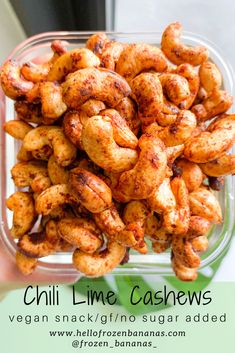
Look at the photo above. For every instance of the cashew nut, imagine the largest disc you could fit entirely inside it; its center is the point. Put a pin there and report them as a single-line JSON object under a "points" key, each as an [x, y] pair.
{"points": [[96, 43], [99, 263], [80, 232], [187, 71], [184, 273], [57, 174], [178, 132], [210, 145], [109, 221], [162, 199], [110, 54], [39, 72], [52, 104], [175, 87], [210, 77], [92, 107], [51, 136], [149, 171], [24, 216], [176, 220], [25, 264], [71, 61], [223, 165], [44, 243], [54, 197], [191, 173], [29, 112], [147, 92], [13, 85], [136, 58], [90, 190], [33, 174], [203, 203], [99, 143], [100, 84], [121, 132], [127, 109], [179, 53], [217, 103]]}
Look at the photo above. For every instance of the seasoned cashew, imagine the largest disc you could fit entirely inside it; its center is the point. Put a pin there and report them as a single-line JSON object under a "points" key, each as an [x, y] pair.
{"points": [[187, 71], [203, 203], [39, 72], [176, 220], [175, 87], [52, 104], [152, 225], [54, 137], [99, 263], [136, 58], [179, 53], [127, 109], [200, 244], [210, 145], [80, 232], [100, 84], [160, 238], [217, 103], [13, 85], [198, 226], [168, 114], [135, 212], [132, 236], [90, 190], [182, 272], [57, 174], [191, 173], [24, 216], [71, 61], [174, 152], [92, 107], [162, 199], [29, 112], [18, 129], [149, 171], [121, 132], [110, 54], [54, 197], [183, 250], [210, 77], [33, 174], [99, 143], [147, 92], [176, 133], [25, 264], [223, 165], [43, 243], [134, 216], [96, 43], [72, 127], [109, 221]]}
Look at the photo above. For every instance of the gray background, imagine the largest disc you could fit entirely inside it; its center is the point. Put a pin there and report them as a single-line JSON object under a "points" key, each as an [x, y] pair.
{"points": [[213, 19]]}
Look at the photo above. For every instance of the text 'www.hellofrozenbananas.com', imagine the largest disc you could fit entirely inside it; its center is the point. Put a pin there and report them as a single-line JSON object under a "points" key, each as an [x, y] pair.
{"points": [[91, 338]]}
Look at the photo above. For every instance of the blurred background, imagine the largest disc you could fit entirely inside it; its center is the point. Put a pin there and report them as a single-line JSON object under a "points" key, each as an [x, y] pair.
{"points": [[21, 18], [214, 20]]}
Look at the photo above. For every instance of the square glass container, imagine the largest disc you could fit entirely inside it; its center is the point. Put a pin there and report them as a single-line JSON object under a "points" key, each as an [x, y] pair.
{"points": [[60, 264]]}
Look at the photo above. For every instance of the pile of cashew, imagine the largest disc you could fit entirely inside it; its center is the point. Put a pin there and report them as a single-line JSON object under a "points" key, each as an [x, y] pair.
{"points": [[118, 151]]}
